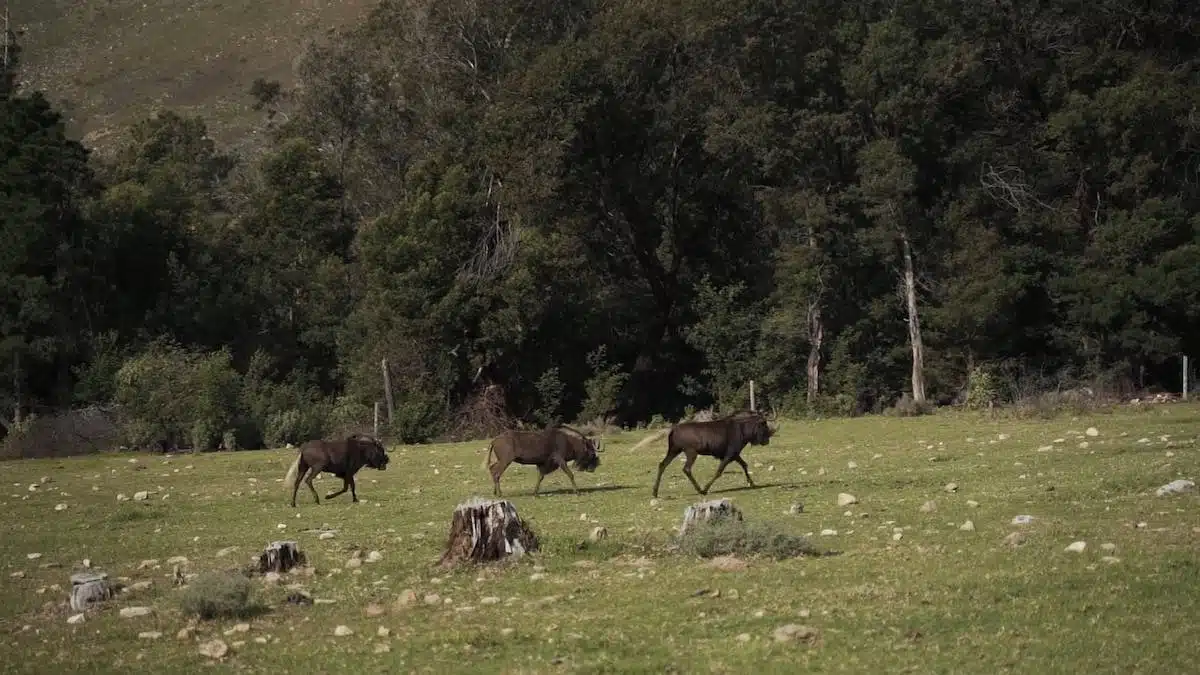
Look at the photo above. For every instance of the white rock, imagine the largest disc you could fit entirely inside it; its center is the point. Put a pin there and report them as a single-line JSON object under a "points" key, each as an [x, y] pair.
{"points": [[1092, 431], [383, 631], [76, 618], [1110, 559], [343, 631], [1076, 547], [60, 507], [134, 612], [951, 487], [226, 551], [214, 649], [846, 499], [972, 503], [33, 556], [141, 496], [598, 534], [326, 535], [1022, 520], [1175, 487], [928, 507], [851, 465], [897, 536], [828, 532], [1108, 546], [967, 526], [121, 497], [353, 563], [490, 600], [374, 557], [149, 635], [177, 560]]}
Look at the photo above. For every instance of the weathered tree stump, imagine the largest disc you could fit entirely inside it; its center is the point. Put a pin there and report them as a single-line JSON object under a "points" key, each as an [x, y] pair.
{"points": [[280, 557], [89, 588], [486, 530], [716, 509]]}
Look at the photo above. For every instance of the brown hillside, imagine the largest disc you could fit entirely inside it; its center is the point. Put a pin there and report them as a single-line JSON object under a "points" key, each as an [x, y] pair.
{"points": [[110, 62]]}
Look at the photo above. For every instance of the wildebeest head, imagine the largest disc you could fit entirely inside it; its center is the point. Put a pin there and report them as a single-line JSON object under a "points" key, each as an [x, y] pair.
{"points": [[374, 454], [588, 458], [754, 428]]}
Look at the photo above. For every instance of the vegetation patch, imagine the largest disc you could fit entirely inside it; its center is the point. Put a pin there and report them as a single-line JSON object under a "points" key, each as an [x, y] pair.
{"points": [[218, 595], [725, 536]]}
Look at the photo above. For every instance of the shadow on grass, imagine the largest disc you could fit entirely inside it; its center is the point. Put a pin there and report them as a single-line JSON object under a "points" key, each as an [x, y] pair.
{"points": [[568, 491], [758, 486]]}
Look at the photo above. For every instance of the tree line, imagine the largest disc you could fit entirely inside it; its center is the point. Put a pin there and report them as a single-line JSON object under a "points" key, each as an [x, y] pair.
{"points": [[619, 209]]}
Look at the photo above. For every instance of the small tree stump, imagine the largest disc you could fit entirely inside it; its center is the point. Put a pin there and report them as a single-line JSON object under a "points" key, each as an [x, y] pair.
{"points": [[716, 509], [280, 557], [89, 588], [485, 530]]}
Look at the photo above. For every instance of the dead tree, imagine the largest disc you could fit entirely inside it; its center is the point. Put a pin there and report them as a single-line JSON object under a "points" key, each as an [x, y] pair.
{"points": [[710, 511], [487, 530], [280, 556]]}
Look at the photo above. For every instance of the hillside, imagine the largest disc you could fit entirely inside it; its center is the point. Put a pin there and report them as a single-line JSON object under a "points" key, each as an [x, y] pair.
{"points": [[113, 61]]}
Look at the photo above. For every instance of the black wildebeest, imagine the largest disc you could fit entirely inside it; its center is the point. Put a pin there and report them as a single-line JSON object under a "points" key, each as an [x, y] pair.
{"points": [[721, 438], [548, 449], [342, 458]]}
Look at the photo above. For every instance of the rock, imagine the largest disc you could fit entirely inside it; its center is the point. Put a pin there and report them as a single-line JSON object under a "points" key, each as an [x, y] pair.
{"points": [[185, 633], [598, 534], [432, 599], [177, 560], [967, 526], [86, 563], [972, 503], [490, 600], [343, 631], [1175, 487], [1022, 520], [151, 562], [141, 496], [214, 649], [382, 648], [951, 487], [795, 633], [743, 637], [846, 499], [121, 497], [851, 465], [796, 509], [326, 535], [19, 574], [33, 556], [1014, 539], [1092, 431], [928, 507], [374, 610], [1076, 547], [353, 563], [60, 507], [654, 502], [240, 628], [134, 612], [139, 586], [828, 532], [897, 536], [727, 563], [76, 618], [407, 598], [1110, 559], [1108, 546], [383, 631], [374, 557], [149, 635]]}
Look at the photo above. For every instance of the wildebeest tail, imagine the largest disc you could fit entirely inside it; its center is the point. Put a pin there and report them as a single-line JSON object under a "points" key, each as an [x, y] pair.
{"points": [[651, 438], [290, 478], [487, 458]]}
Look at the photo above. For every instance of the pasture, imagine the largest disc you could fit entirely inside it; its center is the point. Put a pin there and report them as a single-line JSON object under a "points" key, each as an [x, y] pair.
{"points": [[912, 591]]}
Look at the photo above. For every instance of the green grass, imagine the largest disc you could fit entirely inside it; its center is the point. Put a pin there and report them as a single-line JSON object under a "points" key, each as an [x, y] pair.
{"points": [[112, 62], [938, 600]]}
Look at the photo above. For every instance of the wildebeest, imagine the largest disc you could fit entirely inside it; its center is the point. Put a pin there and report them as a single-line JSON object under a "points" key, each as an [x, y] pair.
{"points": [[548, 449], [721, 438], [342, 458]]}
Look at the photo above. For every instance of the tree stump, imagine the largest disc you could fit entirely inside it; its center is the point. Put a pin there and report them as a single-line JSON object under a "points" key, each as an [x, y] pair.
{"points": [[89, 588], [486, 530], [716, 509], [280, 557]]}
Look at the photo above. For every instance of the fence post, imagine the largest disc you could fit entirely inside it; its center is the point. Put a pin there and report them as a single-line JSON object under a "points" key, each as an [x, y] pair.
{"points": [[752, 408], [387, 390]]}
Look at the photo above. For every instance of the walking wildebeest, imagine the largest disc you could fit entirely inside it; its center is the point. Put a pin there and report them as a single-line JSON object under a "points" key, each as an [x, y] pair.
{"points": [[548, 449], [722, 438], [342, 458]]}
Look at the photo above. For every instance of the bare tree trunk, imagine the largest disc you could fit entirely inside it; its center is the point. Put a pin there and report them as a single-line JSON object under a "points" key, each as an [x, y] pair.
{"points": [[914, 322], [816, 335], [16, 389]]}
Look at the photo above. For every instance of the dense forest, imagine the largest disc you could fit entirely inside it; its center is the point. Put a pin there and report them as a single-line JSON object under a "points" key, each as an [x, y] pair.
{"points": [[620, 209]]}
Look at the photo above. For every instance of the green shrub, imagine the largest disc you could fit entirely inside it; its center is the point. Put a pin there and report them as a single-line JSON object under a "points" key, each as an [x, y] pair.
{"points": [[217, 595], [983, 389], [603, 387], [726, 536]]}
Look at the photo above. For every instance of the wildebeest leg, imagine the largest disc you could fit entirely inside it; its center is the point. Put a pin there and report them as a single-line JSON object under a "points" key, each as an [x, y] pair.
{"points": [[345, 486], [745, 469], [301, 470], [662, 466], [497, 471], [538, 485], [687, 470], [312, 473], [720, 470], [562, 464], [353, 492]]}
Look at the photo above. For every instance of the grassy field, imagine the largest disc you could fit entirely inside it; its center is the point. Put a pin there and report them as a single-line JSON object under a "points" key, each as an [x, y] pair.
{"points": [[937, 598], [114, 61]]}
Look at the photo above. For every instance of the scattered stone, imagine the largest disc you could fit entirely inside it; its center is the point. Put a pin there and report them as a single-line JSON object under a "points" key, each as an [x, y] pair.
{"points": [[374, 610], [1108, 546], [33, 556], [951, 487], [134, 612], [654, 502], [374, 557], [432, 599], [490, 600], [851, 465], [326, 535], [185, 633], [141, 496], [743, 637], [796, 509], [343, 631], [1022, 520], [382, 648], [151, 562], [19, 574], [149, 635], [76, 618], [1175, 487], [121, 497], [727, 563], [214, 649], [1110, 559], [177, 560], [929, 507], [60, 507], [598, 534], [972, 503], [1076, 547], [1014, 539], [407, 598], [383, 631], [795, 633], [967, 526], [846, 499], [828, 532], [1092, 431], [139, 586]]}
